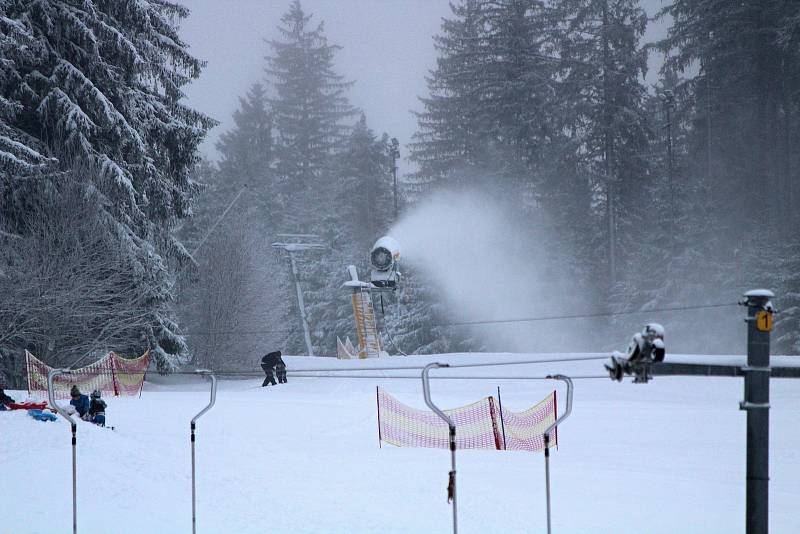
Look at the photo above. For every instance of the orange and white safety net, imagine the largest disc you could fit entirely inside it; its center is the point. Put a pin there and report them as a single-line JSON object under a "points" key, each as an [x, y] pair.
{"points": [[478, 426], [111, 374], [524, 431], [405, 426]]}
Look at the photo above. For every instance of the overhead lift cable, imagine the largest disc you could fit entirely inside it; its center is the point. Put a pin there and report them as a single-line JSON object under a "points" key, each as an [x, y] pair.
{"points": [[499, 321], [403, 367]]}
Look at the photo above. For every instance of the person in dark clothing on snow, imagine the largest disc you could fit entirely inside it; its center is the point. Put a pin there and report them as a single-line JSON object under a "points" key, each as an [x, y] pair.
{"points": [[280, 370], [268, 363], [4, 399], [97, 409]]}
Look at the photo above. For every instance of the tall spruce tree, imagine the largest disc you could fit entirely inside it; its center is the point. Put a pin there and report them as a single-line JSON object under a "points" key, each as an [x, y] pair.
{"points": [[247, 150], [309, 106], [247, 157], [742, 173], [745, 95], [98, 86], [364, 190], [452, 127], [603, 69]]}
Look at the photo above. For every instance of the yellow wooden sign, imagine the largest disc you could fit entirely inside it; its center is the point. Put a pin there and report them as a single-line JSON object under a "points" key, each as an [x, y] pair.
{"points": [[764, 321]]}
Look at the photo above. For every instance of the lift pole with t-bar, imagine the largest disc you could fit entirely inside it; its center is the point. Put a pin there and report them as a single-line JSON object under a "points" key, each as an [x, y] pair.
{"points": [[547, 433], [451, 484], [757, 373]]}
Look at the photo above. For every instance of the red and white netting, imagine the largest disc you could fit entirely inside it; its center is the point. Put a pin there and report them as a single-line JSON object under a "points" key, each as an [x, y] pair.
{"points": [[478, 426], [404, 426], [111, 374], [524, 431]]}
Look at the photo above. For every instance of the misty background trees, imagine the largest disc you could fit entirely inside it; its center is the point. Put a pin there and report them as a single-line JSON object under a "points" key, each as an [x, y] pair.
{"points": [[645, 197]]}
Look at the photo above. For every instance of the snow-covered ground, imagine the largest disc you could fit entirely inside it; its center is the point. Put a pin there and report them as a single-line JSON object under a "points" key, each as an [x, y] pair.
{"points": [[664, 457]]}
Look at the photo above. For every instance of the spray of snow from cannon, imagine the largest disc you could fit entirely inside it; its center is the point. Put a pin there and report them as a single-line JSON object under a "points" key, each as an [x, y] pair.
{"points": [[488, 262]]}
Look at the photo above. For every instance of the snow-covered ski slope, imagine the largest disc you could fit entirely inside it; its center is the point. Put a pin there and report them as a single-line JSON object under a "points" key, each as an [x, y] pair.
{"points": [[664, 457]]}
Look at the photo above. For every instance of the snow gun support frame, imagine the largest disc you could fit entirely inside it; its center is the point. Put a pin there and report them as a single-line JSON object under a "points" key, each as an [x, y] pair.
{"points": [[451, 485], [210, 404], [51, 396], [547, 433]]}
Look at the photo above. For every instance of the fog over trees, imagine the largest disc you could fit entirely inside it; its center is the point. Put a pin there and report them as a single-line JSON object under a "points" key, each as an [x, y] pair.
{"points": [[117, 236]]}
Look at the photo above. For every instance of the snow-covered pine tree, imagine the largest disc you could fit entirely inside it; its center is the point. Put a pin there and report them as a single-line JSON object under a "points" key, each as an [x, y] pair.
{"points": [[517, 87], [743, 110], [746, 99], [364, 188], [310, 107], [416, 318], [603, 62], [310, 113], [98, 85], [452, 128], [246, 156]]}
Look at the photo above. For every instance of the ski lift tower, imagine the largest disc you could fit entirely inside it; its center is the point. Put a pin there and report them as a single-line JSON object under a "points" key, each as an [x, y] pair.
{"points": [[293, 244]]}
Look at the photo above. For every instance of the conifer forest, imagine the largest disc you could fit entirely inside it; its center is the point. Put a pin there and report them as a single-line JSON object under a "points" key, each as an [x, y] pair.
{"points": [[626, 188]]}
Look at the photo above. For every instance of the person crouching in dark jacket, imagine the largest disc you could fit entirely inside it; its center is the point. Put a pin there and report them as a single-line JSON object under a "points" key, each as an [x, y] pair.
{"points": [[280, 369], [97, 409], [268, 365]]}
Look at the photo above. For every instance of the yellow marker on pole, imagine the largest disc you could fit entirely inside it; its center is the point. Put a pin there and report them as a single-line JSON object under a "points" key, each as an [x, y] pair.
{"points": [[764, 321]]}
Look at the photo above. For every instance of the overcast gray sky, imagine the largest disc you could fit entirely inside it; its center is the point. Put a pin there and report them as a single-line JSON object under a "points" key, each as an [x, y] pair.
{"points": [[387, 49]]}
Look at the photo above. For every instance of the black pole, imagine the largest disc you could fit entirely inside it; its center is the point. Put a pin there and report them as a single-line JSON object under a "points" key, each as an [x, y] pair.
{"points": [[547, 478], [395, 153], [668, 104], [756, 403], [51, 397], [194, 505], [74, 480], [378, 402], [502, 422]]}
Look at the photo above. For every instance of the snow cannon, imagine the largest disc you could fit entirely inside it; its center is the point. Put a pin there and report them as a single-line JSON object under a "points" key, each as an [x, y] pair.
{"points": [[384, 258]]}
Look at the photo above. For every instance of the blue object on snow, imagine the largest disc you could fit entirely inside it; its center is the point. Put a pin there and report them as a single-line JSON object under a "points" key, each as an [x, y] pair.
{"points": [[81, 404], [40, 415]]}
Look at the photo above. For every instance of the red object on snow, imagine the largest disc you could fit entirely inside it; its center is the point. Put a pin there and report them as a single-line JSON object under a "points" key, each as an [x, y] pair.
{"points": [[27, 405]]}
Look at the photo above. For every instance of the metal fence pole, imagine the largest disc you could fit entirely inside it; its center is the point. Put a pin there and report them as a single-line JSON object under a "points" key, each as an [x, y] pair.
{"points": [[547, 433], [51, 396], [451, 486], [756, 404], [193, 425]]}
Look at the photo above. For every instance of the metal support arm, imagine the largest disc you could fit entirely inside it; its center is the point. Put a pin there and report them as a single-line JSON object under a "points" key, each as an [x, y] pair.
{"points": [[210, 404], [451, 486], [547, 433], [51, 396]]}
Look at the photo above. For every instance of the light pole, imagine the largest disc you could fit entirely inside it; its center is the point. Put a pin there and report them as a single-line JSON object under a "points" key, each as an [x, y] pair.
{"points": [[669, 105], [394, 153], [292, 244]]}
